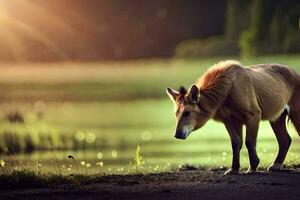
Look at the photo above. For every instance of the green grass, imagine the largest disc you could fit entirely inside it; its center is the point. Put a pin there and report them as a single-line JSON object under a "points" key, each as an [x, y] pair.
{"points": [[28, 178], [111, 81], [84, 109]]}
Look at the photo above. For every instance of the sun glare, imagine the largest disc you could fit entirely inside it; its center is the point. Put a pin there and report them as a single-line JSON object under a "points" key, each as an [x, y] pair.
{"points": [[22, 21]]}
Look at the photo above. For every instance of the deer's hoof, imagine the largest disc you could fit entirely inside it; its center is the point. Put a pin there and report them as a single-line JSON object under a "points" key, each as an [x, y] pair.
{"points": [[275, 167], [251, 171], [232, 172]]}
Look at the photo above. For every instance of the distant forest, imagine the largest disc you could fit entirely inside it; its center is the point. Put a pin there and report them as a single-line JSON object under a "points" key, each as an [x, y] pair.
{"points": [[78, 30]]}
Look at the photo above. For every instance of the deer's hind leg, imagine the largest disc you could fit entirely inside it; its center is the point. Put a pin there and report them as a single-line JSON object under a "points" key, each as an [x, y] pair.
{"points": [[283, 139], [295, 110]]}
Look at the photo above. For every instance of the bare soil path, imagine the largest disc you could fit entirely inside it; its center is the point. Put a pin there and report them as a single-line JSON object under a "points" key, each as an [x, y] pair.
{"points": [[193, 184]]}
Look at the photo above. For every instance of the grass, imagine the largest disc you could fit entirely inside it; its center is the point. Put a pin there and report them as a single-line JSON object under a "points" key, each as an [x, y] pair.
{"points": [[111, 108], [111, 81], [27, 178], [122, 134], [138, 160]]}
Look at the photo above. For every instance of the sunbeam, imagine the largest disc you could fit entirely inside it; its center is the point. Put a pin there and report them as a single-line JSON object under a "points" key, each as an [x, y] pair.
{"points": [[22, 21]]}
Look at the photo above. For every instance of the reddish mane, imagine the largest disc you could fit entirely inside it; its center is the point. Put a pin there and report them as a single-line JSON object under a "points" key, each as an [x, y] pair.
{"points": [[210, 78], [212, 75]]}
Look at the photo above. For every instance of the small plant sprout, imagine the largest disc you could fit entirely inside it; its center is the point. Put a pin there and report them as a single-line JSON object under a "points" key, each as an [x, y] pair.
{"points": [[138, 159], [56, 162], [75, 163]]}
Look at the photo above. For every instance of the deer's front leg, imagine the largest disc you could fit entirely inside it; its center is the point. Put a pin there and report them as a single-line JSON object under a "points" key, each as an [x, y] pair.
{"points": [[234, 129]]}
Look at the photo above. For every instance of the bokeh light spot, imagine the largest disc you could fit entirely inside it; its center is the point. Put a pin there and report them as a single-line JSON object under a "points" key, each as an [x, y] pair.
{"points": [[114, 154], [99, 155], [79, 136], [90, 137], [146, 136]]}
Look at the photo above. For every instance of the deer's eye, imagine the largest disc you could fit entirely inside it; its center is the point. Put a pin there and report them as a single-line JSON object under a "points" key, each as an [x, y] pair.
{"points": [[186, 113]]}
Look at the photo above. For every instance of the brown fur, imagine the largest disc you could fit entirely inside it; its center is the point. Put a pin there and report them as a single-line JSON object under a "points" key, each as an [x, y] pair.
{"points": [[212, 75], [265, 89], [236, 96]]}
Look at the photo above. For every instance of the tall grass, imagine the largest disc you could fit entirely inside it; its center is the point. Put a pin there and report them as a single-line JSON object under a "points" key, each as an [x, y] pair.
{"points": [[32, 135]]}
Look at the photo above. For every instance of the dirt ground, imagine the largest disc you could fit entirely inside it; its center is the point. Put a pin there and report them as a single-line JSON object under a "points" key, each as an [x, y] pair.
{"points": [[191, 184]]}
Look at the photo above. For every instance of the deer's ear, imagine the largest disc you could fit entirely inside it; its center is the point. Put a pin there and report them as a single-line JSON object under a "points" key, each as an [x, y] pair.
{"points": [[173, 94], [194, 94]]}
